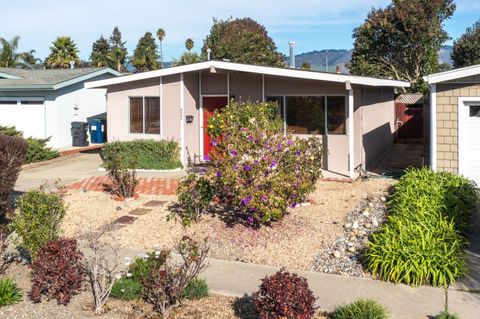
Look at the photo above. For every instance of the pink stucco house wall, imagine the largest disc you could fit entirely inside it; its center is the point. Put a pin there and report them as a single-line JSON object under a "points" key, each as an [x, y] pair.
{"points": [[354, 116]]}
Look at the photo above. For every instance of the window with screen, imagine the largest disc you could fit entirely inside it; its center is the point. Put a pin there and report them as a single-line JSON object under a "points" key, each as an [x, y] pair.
{"points": [[136, 115]]}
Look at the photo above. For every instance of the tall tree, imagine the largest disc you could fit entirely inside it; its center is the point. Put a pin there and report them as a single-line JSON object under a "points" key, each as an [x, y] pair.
{"points": [[466, 49], [161, 35], [9, 57], [118, 53], [145, 56], [243, 41], [189, 44], [187, 58], [402, 40], [100, 53], [62, 52]]}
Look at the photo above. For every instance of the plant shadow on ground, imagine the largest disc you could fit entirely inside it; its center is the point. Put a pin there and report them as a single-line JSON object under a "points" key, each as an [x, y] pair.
{"points": [[245, 308]]}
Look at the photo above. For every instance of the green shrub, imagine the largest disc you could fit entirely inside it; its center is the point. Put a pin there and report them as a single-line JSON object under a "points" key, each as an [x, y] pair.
{"points": [[37, 220], [446, 315], [9, 292], [196, 289], [37, 149], [144, 154], [126, 289], [423, 241], [361, 309]]}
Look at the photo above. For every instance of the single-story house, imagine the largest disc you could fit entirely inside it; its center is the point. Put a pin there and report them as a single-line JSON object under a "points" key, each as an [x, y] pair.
{"points": [[43, 103], [455, 121], [353, 115]]}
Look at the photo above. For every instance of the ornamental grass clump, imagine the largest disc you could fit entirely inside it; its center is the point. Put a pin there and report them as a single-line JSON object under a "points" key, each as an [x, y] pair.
{"points": [[256, 169], [9, 292], [423, 241], [284, 295], [361, 309]]}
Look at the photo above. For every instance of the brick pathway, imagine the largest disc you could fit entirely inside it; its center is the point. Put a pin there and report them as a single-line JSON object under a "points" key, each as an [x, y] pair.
{"points": [[146, 185]]}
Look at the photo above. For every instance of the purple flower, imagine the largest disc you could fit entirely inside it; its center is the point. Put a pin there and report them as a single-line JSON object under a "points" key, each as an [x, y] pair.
{"points": [[267, 145], [233, 153], [293, 205], [207, 157], [279, 147], [250, 138], [246, 201], [297, 153], [219, 173], [250, 220], [235, 167], [273, 164], [264, 198], [289, 142], [243, 129], [214, 143], [247, 167]]}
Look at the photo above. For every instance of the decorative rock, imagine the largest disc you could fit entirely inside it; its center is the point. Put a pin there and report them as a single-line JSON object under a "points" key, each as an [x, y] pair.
{"points": [[375, 222], [353, 238], [347, 225], [336, 254], [371, 204], [352, 249], [366, 212], [119, 208], [368, 225], [383, 198], [355, 225]]}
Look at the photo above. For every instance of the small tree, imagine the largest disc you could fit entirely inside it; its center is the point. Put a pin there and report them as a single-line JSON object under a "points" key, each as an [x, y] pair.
{"points": [[166, 281], [145, 56], [121, 172], [12, 155], [118, 53], [62, 52], [466, 49], [101, 267]]}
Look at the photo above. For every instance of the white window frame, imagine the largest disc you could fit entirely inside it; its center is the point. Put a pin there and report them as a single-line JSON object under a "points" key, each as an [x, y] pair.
{"points": [[143, 114], [463, 108], [18, 99]]}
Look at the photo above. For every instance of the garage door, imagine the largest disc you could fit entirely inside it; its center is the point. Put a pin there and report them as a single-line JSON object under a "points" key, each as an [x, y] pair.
{"points": [[469, 139]]}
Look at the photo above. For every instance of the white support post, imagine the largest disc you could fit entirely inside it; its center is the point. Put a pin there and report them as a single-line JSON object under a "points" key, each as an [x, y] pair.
{"points": [[351, 155], [433, 127], [200, 116], [182, 117], [263, 88], [161, 107], [228, 88]]}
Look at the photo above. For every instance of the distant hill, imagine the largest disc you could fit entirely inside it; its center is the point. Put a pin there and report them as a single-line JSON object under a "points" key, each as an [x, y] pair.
{"points": [[342, 57]]}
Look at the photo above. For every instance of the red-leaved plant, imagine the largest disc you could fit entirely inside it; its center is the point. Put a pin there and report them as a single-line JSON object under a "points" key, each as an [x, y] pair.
{"points": [[57, 271], [284, 295]]}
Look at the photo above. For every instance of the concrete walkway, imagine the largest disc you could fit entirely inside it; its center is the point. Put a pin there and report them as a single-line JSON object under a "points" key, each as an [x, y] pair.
{"points": [[403, 302]]}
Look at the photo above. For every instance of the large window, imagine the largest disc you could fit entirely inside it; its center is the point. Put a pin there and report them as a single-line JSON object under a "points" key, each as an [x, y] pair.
{"points": [[145, 115], [313, 114]]}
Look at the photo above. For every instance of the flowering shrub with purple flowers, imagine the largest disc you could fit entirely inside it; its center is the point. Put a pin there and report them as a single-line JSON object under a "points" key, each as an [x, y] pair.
{"points": [[256, 169]]}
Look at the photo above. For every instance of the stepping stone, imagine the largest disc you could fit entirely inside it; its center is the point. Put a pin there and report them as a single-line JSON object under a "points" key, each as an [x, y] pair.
{"points": [[126, 220], [155, 203], [139, 211]]}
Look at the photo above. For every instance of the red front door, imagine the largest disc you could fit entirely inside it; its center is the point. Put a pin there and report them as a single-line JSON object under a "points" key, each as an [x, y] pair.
{"points": [[210, 104]]}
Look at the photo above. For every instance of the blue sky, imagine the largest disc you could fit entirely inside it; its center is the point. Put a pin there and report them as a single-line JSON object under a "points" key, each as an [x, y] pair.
{"points": [[313, 24]]}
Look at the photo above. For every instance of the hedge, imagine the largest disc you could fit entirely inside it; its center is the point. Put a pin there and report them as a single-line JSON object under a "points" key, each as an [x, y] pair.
{"points": [[144, 154], [424, 239]]}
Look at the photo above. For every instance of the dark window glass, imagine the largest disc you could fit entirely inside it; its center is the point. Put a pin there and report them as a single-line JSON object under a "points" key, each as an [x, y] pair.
{"points": [[306, 114], [279, 101], [32, 102], [136, 115], [336, 114], [8, 102], [152, 115], [475, 111]]}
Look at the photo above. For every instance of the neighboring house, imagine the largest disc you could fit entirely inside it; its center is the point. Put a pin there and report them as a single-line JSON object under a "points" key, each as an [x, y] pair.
{"points": [[455, 121], [43, 103], [174, 103]]}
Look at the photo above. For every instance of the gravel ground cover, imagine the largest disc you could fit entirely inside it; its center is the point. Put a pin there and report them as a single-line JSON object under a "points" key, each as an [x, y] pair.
{"points": [[294, 242]]}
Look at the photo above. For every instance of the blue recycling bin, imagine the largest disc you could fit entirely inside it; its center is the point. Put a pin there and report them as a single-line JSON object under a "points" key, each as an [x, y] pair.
{"points": [[97, 130]]}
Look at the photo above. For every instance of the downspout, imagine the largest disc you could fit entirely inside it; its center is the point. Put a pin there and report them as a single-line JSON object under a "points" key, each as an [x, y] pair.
{"points": [[351, 170], [200, 116], [182, 126], [433, 127], [161, 107]]}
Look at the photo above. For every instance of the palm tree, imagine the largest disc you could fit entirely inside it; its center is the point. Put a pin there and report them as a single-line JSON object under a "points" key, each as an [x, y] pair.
{"points": [[9, 58], [161, 36], [189, 44], [62, 52], [29, 60]]}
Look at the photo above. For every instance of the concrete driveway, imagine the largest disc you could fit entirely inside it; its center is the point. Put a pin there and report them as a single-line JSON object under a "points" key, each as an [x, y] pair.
{"points": [[64, 170]]}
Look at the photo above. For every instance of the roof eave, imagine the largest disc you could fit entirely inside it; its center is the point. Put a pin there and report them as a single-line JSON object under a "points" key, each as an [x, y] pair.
{"points": [[452, 74], [85, 77]]}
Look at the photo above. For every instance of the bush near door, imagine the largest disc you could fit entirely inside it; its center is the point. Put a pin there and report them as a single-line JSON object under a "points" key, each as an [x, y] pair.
{"points": [[424, 239], [144, 154]]}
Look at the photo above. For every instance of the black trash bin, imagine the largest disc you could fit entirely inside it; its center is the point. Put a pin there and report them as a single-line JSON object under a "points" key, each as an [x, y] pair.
{"points": [[79, 134]]}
